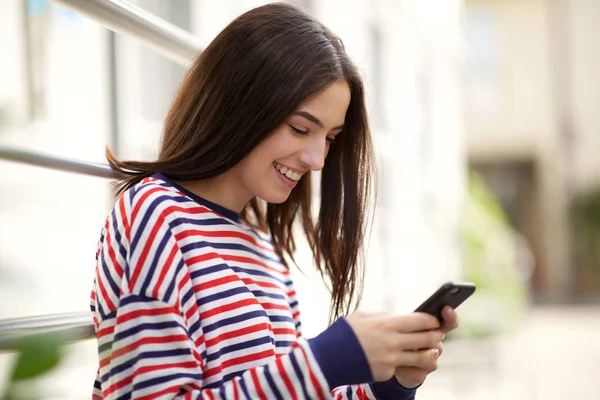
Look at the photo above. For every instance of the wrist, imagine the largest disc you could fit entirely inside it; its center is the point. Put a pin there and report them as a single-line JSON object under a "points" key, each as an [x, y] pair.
{"points": [[340, 355], [392, 389]]}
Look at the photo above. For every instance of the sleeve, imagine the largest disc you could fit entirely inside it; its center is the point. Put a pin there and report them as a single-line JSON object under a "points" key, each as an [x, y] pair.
{"points": [[347, 349], [150, 355], [151, 344]]}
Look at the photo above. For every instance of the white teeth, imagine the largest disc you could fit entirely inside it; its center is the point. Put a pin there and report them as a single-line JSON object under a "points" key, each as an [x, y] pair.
{"points": [[287, 172]]}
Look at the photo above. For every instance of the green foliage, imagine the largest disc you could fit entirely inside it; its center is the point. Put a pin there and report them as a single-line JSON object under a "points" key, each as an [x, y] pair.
{"points": [[585, 213], [490, 250], [36, 356]]}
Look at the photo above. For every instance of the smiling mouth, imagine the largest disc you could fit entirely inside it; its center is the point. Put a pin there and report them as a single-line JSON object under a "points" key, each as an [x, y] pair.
{"points": [[288, 173]]}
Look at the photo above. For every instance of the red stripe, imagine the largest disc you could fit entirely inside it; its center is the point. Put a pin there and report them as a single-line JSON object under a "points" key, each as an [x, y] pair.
{"points": [[259, 391], [216, 282], [148, 244], [286, 378], [284, 331], [165, 269], [124, 218], [236, 391], [142, 370], [311, 374], [223, 234], [228, 257], [111, 252], [105, 331], [105, 295], [144, 341], [228, 307], [239, 360], [146, 313], [174, 389], [213, 284], [273, 306], [236, 334]]}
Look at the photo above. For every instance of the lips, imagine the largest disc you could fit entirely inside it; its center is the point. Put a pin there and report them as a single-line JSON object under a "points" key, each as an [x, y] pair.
{"points": [[288, 173]]}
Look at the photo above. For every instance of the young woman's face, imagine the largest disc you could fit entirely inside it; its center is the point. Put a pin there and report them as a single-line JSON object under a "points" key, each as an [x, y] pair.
{"points": [[300, 145]]}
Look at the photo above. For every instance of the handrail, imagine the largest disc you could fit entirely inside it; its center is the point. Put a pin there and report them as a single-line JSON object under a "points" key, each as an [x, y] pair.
{"points": [[53, 162], [75, 326], [169, 40], [123, 17]]}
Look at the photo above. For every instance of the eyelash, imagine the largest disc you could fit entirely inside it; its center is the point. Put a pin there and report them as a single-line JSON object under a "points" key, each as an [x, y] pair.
{"points": [[305, 133]]}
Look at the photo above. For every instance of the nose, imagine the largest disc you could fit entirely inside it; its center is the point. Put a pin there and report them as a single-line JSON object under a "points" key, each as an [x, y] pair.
{"points": [[314, 153]]}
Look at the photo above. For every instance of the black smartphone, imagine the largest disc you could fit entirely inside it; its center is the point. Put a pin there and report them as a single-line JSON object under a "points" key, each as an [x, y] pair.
{"points": [[450, 294]]}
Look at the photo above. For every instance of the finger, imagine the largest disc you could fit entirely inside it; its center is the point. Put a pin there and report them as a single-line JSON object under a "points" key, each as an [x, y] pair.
{"points": [[450, 319], [410, 376], [423, 359], [420, 340], [415, 322]]}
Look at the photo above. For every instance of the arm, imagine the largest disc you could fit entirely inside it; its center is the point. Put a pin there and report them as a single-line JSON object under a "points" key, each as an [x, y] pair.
{"points": [[353, 358], [147, 353], [151, 342]]}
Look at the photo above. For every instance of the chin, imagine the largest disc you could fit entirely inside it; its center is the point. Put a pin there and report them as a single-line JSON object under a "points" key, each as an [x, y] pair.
{"points": [[275, 198]]}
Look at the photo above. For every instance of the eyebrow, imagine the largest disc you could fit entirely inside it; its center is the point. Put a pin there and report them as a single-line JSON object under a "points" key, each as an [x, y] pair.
{"points": [[315, 120]]}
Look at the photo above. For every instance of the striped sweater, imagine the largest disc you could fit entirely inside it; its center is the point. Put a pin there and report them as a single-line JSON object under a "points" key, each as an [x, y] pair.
{"points": [[191, 303]]}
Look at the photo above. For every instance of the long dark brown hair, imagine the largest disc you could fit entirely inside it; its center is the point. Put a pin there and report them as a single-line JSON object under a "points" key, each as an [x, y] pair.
{"points": [[252, 76]]}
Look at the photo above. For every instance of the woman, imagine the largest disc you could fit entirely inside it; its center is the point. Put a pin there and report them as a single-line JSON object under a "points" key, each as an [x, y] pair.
{"points": [[193, 296]]}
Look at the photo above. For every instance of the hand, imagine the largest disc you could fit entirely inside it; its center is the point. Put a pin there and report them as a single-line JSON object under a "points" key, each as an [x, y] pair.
{"points": [[413, 376], [390, 341]]}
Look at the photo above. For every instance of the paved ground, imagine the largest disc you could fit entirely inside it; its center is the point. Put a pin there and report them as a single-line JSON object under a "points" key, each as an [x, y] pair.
{"points": [[555, 356]]}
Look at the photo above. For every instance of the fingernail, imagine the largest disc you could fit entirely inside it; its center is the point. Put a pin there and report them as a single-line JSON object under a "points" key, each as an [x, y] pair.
{"points": [[443, 336], [435, 353]]}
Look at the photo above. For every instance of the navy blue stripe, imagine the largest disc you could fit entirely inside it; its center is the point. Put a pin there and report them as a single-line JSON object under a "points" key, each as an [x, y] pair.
{"points": [[200, 272], [172, 283], [227, 246], [108, 279], [246, 317], [142, 356], [163, 379], [283, 343], [208, 270], [245, 389], [272, 384], [204, 300], [238, 346], [149, 214], [134, 298], [349, 391], [280, 318], [136, 330], [299, 374], [126, 396], [202, 222], [118, 239], [150, 273]]}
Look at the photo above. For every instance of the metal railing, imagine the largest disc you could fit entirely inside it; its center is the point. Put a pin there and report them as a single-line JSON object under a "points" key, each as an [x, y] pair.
{"points": [[169, 40]]}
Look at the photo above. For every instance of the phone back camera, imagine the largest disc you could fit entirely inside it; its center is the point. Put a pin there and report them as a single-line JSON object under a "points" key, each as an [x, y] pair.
{"points": [[454, 290]]}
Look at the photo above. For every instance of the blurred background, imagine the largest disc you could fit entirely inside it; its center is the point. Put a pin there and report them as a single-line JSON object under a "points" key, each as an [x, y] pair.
{"points": [[485, 116]]}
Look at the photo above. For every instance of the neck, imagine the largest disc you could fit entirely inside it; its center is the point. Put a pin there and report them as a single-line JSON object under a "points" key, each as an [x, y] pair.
{"points": [[223, 190]]}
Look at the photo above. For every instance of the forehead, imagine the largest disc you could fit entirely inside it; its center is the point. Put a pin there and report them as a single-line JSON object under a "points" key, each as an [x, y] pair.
{"points": [[330, 105]]}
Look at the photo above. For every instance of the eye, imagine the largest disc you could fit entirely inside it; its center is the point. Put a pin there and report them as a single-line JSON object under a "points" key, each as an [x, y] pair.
{"points": [[331, 140], [298, 131]]}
